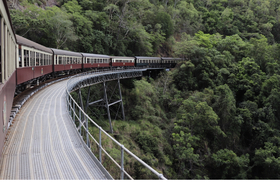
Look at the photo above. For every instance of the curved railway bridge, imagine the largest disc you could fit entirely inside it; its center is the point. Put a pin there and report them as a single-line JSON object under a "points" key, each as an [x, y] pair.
{"points": [[45, 143]]}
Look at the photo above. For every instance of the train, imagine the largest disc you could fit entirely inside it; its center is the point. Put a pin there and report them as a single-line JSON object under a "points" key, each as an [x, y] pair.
{"points": [[24, 63]]}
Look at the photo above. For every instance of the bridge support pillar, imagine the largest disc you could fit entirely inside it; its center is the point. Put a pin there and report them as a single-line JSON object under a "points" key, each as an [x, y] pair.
{"points": [[108, 94], [107, 106], [83, 119], [120, 92], [87, 103]]}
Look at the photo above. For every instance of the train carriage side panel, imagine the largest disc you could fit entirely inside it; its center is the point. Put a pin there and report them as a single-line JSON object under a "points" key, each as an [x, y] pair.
{"points": [[42, 70], [121, 61], [95, 60], [24, 74], [66, 60], [34, 60], [59, 68], [8, 57], [7, 91]]}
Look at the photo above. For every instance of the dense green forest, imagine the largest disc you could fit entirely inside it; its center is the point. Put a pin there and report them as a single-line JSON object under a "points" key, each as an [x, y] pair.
{"points": [[216, 115]]}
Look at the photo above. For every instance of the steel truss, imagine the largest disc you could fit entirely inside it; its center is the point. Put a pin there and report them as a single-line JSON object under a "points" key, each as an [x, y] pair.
{"points": [[78, 113], [90, 80]]}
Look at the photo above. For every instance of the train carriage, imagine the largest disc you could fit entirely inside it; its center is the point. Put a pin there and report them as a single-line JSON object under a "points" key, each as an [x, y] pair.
{"points": [[120, 61], [34, 61], [168, 62], [147, 61], [66, 61], [95, 61], [8, 57]]}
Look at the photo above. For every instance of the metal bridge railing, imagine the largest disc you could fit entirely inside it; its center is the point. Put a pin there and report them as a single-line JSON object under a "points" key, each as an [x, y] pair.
{"points": [[76, 112]]}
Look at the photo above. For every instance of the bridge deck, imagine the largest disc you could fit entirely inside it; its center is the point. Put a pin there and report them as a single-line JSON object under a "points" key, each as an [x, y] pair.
{"points": [[43, 143]]}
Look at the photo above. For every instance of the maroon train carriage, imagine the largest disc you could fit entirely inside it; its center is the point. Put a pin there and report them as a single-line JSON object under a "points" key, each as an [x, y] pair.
{"points": [[8, 69], [95, 61], [34, 61], [118, 61], [66, 61]]}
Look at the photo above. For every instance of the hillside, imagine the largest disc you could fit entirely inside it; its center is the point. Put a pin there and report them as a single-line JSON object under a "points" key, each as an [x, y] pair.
{"points": [[216, 115]]}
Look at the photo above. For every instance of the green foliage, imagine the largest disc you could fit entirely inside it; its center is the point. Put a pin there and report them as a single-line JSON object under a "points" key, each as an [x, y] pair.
{"points": [[229, 165], [216, 115]]}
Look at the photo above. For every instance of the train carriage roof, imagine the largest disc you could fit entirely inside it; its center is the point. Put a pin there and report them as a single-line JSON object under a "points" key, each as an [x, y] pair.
{"points": [[66, 53], [171, 58], [121, 57], [96, 55], [23, 41], [140, 57]]}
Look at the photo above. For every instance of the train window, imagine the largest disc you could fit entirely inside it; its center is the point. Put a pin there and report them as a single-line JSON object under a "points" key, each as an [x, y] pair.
{"points": [[44, 59], [32, 58], [40, 59], [59, 60], [71, 60], [26, 58], [37, 59], [19, 58]]}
